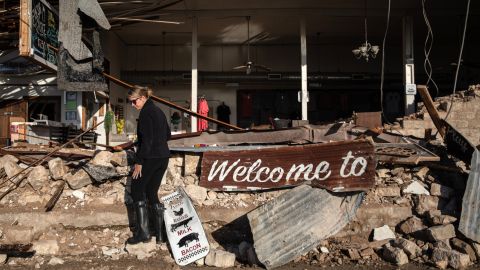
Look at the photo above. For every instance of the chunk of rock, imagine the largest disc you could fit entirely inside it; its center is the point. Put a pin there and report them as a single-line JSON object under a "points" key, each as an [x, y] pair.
{"points": [[425, 203], [18, 235], [142, 250], [38, 177], [441, 232], [416, 188], [78, 194], [123, 171], [409, 247], [191, 164], [100, 173], [119, 159], [220, 258], [394, 255], [391, 191], [3, 258], [7, 158], [383, 233], [412, 225], [422, 173], [102, 158], [11, 168], [196, 193], [46, 247], [55, 261], [444, 257], [57, 168], [78, 179], [442, 219], [441, 191], [463, 247], [383, 173]]}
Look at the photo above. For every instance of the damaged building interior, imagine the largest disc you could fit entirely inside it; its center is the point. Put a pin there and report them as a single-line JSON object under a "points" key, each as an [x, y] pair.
{"points": [[308, 133]]}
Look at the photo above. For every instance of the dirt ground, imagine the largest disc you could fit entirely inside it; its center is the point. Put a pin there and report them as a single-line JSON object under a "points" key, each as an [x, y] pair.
{"points": [[157, 262]]}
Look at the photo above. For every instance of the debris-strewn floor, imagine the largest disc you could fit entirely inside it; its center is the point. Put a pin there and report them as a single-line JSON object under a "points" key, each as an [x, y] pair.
{"points": [[411, 216]]}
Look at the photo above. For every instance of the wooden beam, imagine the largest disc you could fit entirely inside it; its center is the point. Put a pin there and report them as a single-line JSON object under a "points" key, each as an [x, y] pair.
{"points": [[170, 104], [432, 111]]}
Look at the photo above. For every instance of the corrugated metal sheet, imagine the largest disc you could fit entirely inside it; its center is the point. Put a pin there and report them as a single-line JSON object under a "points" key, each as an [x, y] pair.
{"points": [[295, 222], [470, 217]]}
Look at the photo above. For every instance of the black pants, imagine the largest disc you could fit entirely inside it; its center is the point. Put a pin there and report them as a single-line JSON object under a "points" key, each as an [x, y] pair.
{"points": [[146, 187]]}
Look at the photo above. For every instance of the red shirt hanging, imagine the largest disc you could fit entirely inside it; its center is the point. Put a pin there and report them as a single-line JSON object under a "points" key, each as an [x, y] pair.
{"points": [[202, 110]]}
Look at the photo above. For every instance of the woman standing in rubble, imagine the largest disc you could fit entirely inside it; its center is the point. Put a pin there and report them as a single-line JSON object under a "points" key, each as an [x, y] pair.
{"points": [[151, 161]]}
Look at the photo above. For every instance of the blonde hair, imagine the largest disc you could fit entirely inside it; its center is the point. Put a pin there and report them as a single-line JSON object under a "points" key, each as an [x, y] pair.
{"points": [[140, 91]]}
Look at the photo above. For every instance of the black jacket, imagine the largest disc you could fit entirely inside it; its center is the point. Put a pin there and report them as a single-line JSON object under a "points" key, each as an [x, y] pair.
{"points": [[153, 133]]}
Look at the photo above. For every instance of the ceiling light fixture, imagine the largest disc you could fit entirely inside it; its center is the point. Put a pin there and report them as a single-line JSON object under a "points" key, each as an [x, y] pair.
{"points": [[366, 50]]}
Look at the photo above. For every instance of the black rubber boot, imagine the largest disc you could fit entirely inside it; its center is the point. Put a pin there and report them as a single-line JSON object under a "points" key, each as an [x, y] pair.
{"points": [[142, 232], [132, 219], [158, 223]]}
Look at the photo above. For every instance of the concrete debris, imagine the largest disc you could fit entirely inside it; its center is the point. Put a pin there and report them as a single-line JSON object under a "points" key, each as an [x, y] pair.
{"points": [[383, 233], [78, 179], [55, 261], [119, 159], [18, 234], [324, 250], [100, 173], [425, 203], [444, 257], [391, 191], [441, 232], [110, 252], [46, 247], [441, 191], [57, 168], [409, 247], [7, 158], [441, 219], [463, 247], [197, 194], [412, 225], [142, 250], [38, 177], [220, 258], [411, 215], [78, 194], [394, 255], [416, 188]]}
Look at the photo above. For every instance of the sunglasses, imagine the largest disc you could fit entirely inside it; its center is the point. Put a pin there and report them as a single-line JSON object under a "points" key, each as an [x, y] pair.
{"points": [[134, 101]]}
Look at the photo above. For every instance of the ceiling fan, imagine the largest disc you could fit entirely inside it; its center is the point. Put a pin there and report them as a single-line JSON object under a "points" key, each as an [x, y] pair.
{"points": [[249, 64]]}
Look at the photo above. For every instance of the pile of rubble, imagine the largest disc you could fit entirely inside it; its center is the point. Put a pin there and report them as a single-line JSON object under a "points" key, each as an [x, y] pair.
{"points": [[410, 216], [103, 180], [421, 226]]}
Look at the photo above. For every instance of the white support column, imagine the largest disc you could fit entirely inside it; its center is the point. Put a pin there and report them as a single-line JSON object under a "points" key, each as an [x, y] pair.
{"points": [[408, 65], [194, 92], [303, 51]]}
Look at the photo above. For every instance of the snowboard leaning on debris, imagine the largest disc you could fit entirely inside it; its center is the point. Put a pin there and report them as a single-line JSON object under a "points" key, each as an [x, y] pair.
{"points": [[184, 229]]}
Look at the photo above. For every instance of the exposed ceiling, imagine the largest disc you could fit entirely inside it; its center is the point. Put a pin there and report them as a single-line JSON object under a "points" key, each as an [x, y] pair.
{"points": [[272, 21], [276, 21]]}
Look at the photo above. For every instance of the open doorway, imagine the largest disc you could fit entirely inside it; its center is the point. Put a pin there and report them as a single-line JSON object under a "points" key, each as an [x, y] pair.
{"points": [[44, 108]]}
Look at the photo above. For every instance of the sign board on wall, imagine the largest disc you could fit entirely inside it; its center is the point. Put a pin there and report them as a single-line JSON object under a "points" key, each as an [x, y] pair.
{"points": [[338, 166], [39, 24]]}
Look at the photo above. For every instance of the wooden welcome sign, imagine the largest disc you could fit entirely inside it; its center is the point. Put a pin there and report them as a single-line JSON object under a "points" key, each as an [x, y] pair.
{"points": [[338, 166]]}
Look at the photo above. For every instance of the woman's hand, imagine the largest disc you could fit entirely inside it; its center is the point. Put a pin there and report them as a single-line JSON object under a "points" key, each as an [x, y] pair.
{"points": [[137, 172]]}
